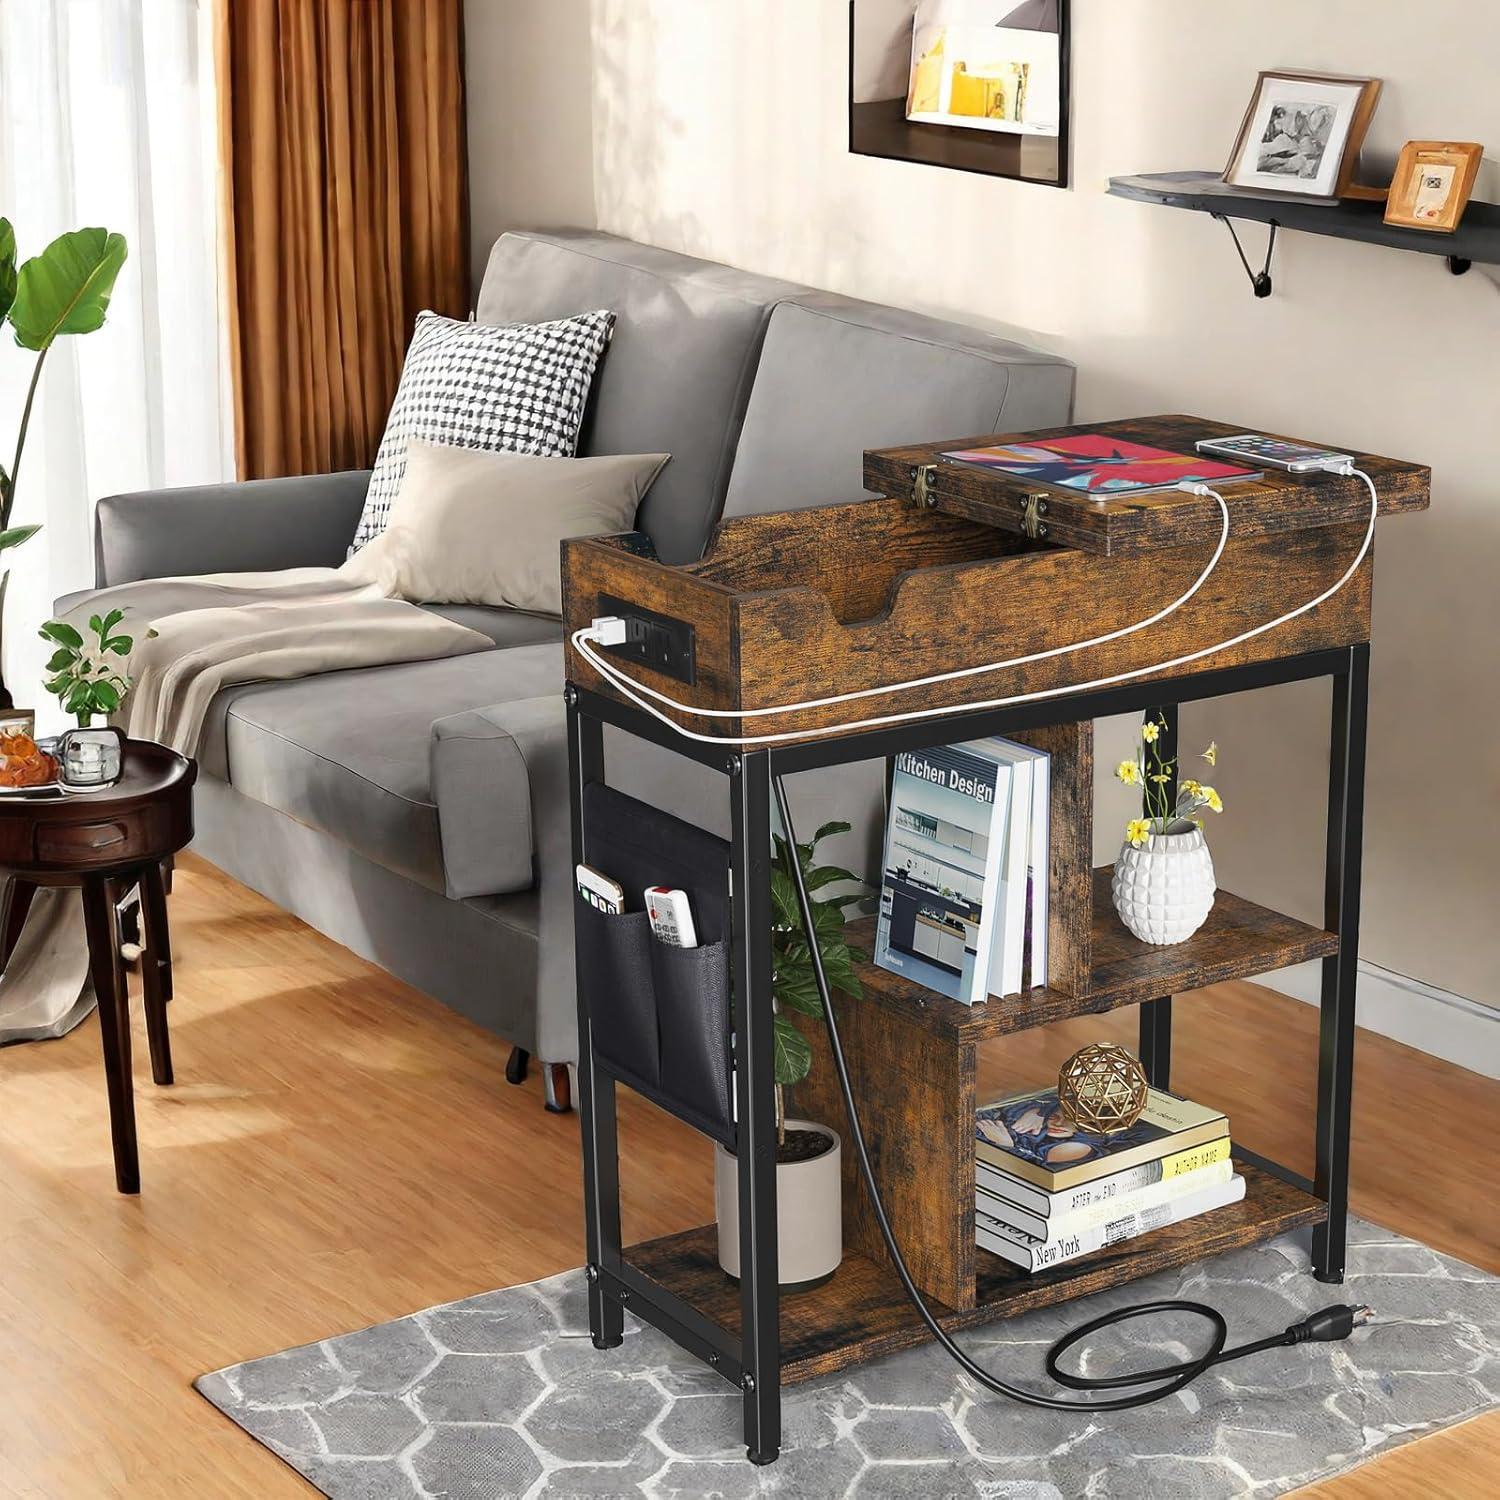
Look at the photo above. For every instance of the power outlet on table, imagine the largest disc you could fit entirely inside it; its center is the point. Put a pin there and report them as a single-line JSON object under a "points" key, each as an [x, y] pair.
{"points": [[653, 640]]}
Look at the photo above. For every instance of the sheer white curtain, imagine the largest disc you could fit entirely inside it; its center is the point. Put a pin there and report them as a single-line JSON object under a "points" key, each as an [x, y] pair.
{"points": [[107, 118]]}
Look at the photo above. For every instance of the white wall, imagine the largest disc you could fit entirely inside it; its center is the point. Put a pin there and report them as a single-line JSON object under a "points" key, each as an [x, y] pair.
{"points": [[719, 128], [529, 95]]}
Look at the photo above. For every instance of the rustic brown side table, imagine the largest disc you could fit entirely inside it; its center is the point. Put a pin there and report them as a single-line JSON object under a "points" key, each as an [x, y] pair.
{"points": [[105, 842]]}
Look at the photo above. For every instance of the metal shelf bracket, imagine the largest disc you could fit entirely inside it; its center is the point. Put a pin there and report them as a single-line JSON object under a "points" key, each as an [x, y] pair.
{"points": [[1260, 281]]}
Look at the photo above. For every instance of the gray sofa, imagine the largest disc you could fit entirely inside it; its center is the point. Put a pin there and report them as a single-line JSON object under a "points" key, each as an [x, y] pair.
{"points": [[418, 814]]}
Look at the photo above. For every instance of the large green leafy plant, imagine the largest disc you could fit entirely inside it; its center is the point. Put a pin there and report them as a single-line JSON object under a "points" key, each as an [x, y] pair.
{"points": [[794, 986], [65, 289]]}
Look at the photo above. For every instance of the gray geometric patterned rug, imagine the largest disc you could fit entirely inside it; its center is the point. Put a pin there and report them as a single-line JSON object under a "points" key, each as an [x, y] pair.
{"points": [[503, 1395]]}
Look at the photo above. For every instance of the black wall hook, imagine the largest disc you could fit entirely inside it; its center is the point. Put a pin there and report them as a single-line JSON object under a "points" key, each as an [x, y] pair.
{"points": [[1260, 281]]}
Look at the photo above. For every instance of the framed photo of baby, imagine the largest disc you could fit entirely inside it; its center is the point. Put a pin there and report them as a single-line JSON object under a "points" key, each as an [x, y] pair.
{"points": [[1302, 133]]}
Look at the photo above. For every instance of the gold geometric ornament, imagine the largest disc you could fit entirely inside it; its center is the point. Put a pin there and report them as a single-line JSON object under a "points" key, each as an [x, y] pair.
{"points": [[1102, 1088]]}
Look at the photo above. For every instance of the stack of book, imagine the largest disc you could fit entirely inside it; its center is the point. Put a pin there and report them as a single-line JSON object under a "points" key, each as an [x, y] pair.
{"points": [[1048, 1192], [963, 893]]}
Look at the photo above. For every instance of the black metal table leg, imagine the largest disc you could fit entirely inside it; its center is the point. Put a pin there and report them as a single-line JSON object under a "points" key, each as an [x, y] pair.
{"points": [[596, 1090], [760, 1292], [1156, 1015], [1346, 808]]}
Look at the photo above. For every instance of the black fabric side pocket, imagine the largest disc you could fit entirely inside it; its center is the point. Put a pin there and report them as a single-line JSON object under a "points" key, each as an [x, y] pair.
{"points": [[692, 1006], [615, 971]]}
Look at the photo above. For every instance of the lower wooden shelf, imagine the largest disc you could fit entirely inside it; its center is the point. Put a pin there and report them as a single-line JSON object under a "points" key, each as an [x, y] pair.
{"points": [[862, 1313]]}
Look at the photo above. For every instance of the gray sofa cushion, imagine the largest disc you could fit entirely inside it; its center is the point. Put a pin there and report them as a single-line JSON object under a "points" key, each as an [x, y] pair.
{"points": [[838, 376], [677, 372], [348, 753], [505, 627]]}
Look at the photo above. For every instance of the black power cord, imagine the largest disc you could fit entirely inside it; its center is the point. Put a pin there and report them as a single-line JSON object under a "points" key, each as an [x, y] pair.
{"points": [[1330, 1324]]}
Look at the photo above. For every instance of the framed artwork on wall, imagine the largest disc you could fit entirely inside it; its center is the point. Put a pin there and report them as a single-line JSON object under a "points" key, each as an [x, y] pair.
{"points": [[1302, 133], [977, 85], [1432, 183]]}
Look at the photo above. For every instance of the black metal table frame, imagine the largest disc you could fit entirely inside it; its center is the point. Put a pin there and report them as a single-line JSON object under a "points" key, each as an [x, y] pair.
{"points": [[753, 1362]]}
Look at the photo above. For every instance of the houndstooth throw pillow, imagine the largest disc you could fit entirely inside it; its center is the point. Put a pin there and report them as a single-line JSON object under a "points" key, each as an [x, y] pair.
{"points": [[520, 388]]}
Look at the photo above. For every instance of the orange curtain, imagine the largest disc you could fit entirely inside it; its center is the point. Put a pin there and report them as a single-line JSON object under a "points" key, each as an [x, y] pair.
{"points": [[346, 205]]}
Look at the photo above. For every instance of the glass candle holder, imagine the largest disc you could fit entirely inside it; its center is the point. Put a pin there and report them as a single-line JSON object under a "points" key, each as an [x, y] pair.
{"points": [[90, 757]]}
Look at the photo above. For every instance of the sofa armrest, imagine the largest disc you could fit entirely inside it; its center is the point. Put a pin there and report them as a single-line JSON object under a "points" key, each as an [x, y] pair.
{"points": [[256, 525], [489, 766]]}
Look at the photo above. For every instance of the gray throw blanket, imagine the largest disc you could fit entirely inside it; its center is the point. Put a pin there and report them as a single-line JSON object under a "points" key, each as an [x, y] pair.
{"points": [[227, 628]]}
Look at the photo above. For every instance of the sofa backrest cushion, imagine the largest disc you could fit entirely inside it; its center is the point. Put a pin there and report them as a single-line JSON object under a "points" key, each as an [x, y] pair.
{"points": [[679, 368], [837, 376]]}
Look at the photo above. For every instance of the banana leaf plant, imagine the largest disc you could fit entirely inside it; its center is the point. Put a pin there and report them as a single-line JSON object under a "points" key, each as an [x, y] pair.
{"points": [[794, 986], [65, 289]]}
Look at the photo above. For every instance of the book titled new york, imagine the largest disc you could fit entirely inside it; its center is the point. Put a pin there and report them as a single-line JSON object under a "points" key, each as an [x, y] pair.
{"points": [[1031, 1137], [1107, 467], [1141, 1200], [946, 839], [1045, 1204], [1032, 1254]]}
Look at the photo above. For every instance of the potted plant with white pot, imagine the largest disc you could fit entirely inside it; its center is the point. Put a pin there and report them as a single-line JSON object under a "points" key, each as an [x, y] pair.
{"points": [[809, 1185], [1164, 878]]}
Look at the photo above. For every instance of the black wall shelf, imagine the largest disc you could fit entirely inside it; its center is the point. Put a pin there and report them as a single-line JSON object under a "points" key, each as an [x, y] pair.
{"points": [[1475, 241]]}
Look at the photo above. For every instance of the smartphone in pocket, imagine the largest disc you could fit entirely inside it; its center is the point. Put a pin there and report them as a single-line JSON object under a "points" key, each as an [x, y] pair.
{"points": [[602, 893]]}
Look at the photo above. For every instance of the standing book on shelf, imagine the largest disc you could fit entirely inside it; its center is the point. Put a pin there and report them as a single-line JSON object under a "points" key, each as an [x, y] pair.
{"points": [[1020, 958], [1030, 1136], [946, 836]]}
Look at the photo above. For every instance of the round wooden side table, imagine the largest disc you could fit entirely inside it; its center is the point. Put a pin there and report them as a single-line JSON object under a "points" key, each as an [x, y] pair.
{"points": [[104, 843]]}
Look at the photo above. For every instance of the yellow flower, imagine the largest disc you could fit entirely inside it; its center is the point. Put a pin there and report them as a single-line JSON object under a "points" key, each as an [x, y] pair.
{"points": [[1214, 800], [1149, 731], [1211, 755], [1137, 830], [1161, 777], [1129, 773], [1192, 788]]}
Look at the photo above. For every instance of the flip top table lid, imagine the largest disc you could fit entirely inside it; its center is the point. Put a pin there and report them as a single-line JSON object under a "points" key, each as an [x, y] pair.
{"points": [[1126, 525]]}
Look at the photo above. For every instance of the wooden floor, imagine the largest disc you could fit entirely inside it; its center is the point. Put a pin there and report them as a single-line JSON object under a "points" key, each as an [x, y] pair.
{"points": [[339, 1150]]}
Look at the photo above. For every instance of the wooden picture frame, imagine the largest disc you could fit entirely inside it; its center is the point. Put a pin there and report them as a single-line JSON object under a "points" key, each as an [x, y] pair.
{"points": [[1432, 184], [1330, 114]]}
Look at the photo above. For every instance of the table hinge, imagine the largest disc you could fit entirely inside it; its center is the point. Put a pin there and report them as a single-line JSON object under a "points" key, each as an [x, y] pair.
{"points": [[921, 491], [1033, 508]]}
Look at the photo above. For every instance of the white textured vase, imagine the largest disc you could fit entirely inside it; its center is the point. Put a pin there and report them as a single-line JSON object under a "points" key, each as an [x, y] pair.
{"points": [[1165, 889]]}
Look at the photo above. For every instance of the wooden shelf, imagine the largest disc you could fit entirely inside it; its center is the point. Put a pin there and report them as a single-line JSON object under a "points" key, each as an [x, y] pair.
{"points": [[862, 1313], [1238, 941], [1477, 237]]}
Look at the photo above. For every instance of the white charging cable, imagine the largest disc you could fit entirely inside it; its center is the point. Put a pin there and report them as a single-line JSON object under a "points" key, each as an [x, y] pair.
{"points": [[610, 631], [606, 634]]}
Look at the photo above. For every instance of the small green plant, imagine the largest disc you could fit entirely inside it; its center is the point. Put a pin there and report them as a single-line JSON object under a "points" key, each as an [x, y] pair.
{"points": [[794, 986], [88, 676]]}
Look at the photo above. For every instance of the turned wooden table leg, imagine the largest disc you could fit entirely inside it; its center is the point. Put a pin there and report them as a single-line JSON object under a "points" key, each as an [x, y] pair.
{"points": [[156, 972], [107, 969], [158, 932]]}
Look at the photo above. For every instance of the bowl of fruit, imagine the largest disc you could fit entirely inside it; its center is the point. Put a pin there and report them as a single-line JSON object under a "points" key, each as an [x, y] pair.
{"points": [[24, 765]]}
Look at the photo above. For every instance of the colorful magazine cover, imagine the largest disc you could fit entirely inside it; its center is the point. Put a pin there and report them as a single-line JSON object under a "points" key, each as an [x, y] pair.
{"points": [[1031, 1135], [1100, 465]]}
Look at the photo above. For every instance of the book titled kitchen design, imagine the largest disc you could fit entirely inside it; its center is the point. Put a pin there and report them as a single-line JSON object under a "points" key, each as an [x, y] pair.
{"points": [[945, 845]]}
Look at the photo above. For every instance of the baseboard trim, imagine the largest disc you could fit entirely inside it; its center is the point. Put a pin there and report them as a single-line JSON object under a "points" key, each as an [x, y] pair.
{"points": [[1420, 1015]]}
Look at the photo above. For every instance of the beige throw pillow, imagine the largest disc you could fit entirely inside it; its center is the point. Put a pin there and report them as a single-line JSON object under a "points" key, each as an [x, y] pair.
{"points": [[471, 527]]}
